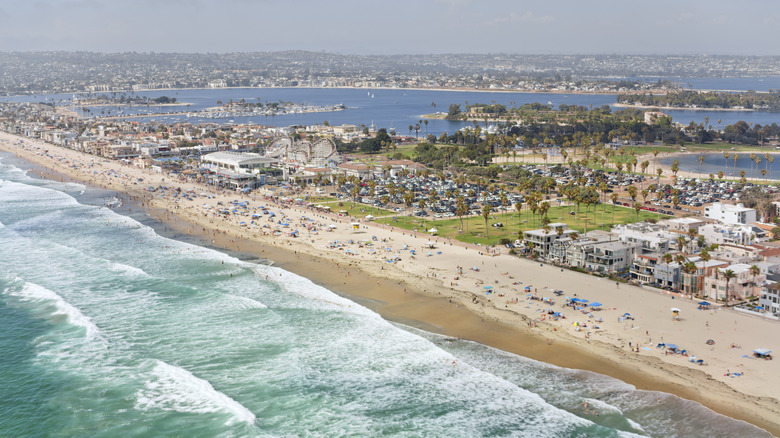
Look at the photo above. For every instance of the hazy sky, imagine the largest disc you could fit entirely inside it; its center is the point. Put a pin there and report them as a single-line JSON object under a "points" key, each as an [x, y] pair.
{"points": [[750, 27]]}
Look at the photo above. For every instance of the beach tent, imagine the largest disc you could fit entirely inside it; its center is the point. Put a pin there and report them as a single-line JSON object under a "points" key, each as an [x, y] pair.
{"points": [[369, 217], [430, 244], [355, 225], [762, 352], [595, 304], [433, 231]]}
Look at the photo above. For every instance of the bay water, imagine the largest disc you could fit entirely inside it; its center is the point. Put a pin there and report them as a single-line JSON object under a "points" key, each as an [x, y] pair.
{"points": [[108, 328]]}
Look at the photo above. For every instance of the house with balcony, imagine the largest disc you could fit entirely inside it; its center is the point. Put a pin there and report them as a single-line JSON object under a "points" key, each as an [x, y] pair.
{"points": [[643, 267], [769, 299], [610, 257], [733, 234], [649, 237], [744, 285], [668, 275], [542, 241], [693, 283]]}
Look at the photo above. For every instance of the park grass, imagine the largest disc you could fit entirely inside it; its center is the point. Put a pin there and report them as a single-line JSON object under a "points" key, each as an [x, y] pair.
{"points": [[474, 226], [357, 210]]}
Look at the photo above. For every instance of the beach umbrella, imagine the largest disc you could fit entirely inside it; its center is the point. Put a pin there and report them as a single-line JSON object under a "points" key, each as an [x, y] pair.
{"points": [[595, 304], [488, 287], [704, 303], [527, 288], [762, 351], [675, 310], [583, 301], [626, 314]]}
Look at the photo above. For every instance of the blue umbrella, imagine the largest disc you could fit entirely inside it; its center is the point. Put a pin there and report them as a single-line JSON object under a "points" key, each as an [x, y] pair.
{"points": [[488, 287], [595, 304]]}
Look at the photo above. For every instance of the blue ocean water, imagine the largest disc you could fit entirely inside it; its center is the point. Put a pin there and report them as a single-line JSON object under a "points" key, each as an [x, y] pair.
{"points": [[109, 329]]}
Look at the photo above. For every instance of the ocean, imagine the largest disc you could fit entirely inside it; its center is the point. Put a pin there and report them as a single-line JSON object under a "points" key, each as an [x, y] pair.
{"points": [[108, 328]]}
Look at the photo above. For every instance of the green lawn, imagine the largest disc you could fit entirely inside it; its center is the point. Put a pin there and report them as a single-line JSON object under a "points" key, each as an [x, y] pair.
{"points": [[356, 209], [474, 226]]}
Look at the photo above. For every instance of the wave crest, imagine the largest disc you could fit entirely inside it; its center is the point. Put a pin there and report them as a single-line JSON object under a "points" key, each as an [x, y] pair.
{"points": [[175, 389]]}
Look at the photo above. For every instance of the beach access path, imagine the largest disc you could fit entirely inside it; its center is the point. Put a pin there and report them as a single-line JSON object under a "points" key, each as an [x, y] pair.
{"points": [[518, 293]]}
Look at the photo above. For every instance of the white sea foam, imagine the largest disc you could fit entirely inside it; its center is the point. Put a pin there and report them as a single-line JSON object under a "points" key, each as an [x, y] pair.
{"points": [[637, 427], [175, 389], [127, 270], [35, 293], [603, 407], [316, 295], [246, 302]]}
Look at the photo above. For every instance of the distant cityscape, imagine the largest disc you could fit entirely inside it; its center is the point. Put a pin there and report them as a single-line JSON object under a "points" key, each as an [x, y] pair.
{"points": [[67, 72]]}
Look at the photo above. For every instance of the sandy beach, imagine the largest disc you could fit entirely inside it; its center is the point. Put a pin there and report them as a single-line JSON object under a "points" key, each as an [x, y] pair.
{"points": [[443, 292]]}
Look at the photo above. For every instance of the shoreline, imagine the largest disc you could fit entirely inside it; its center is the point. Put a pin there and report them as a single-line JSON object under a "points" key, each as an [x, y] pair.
{"points": [[674, 108], [431, 305]]}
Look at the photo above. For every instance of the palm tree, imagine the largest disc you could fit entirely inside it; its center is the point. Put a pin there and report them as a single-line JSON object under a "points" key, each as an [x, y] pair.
{"points": [[461, 210], [726, 156], [655, 155], [735, 157], [486, 209], [728, 274], [701, 161], [681, 241], [752, 162], [754, 270], [519, 209], [613, 197]]}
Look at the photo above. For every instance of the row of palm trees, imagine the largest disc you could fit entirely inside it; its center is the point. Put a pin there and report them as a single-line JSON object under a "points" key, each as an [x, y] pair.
{"points": [[755, 161]]}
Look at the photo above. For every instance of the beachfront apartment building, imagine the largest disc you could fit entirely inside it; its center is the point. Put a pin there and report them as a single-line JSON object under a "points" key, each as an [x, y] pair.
{"points": [[693, 283], [668, 275], [649, 237], [610, 257], [602, 256], [542, 240], [643, 267], [769, 299], [730, 214], [744, 285]]}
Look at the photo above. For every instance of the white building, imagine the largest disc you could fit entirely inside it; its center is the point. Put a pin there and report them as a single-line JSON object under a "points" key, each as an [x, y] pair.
{"points": [[542, 241], [649, 237], [733, 234], [730, 214], [237, 162]]}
